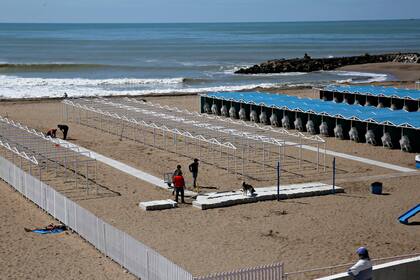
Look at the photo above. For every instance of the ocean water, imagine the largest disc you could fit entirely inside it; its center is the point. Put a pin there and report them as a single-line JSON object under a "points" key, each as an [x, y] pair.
{"points": [[49, 60]]}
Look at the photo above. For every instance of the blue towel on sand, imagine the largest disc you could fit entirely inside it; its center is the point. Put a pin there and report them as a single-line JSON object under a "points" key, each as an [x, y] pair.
{"points": [[45, 231]]}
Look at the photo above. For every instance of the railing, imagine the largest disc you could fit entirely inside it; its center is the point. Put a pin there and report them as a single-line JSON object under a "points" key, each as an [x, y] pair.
{"points": [[331, 270], [136, 257], [266, 272]]}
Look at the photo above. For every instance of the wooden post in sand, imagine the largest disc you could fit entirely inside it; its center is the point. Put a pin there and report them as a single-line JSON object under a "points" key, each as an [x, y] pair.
{"points": [[333, 184], [278, 181]]}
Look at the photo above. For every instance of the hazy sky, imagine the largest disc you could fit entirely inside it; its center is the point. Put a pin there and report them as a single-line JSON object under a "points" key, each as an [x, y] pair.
{"points": [[203, 10]]}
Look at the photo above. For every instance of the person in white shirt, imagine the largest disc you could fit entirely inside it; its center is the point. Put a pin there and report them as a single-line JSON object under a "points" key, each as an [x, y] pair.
{"points": [[362, 270]]}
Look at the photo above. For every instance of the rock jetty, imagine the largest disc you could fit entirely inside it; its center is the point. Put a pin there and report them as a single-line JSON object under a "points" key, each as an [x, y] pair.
{"points": [[308, 64]]}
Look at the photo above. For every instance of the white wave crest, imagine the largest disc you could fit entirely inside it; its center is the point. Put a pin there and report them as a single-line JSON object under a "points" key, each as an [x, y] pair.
{"points": [[11, 81], [232, 69], [280, 74], [371, 77], [50, 88]]}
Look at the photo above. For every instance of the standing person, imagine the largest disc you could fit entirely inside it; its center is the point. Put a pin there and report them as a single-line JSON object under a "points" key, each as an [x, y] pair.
{"points": [[177, 172], [362, 270], [179, 185], [65, 129], [194, 170]]}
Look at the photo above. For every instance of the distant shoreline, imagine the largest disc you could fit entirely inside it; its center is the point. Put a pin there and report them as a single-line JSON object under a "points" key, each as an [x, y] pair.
{"points": [[206, 22]]}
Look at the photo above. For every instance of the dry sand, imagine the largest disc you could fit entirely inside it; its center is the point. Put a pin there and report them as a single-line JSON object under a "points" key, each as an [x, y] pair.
{"points": [[27, 255], [302, 233]]}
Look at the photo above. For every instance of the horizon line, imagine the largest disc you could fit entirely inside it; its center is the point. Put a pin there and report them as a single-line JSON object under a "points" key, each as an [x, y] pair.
{"points": [[214, 22]]}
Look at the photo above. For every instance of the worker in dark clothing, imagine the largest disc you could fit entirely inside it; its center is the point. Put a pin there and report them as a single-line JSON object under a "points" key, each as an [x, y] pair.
{"points": [[194, 170], [65, 129], [52, 133], [177, 171], [179, 185]]}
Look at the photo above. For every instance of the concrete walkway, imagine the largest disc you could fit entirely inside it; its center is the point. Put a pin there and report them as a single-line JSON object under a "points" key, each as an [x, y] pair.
{"points": [[359, 159], [224, 199], [373, 178], [146, 177]]}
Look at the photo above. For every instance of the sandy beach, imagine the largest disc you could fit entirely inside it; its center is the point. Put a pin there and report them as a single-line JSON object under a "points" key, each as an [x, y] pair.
{"points": [[27, 255], [303, 233]]}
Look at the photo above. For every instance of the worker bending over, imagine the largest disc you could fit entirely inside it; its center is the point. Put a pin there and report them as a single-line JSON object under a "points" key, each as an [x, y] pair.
{"points": [[52, 133], [65, 129]]}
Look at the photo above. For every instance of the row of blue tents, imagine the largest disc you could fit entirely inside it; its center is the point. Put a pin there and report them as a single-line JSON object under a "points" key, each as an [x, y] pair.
{"points": [[383, 116], [379, 91]]}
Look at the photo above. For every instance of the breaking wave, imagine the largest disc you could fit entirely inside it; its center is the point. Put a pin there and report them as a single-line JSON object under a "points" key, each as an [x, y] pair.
{"points": [[360, 77], [13, 81], [16, 87]]}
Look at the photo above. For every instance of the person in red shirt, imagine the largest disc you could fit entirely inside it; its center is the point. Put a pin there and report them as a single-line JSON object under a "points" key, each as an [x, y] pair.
{"points": [[52, 133], [179, 185]]}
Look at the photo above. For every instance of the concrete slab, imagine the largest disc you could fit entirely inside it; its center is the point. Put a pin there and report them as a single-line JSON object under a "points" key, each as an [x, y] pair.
{"points": [[224, 199], [157, 204]]}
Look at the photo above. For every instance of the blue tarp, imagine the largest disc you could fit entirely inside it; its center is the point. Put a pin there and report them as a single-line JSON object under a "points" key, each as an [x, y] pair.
{"points": [[370, 114], [390, 92], [48, 231]]}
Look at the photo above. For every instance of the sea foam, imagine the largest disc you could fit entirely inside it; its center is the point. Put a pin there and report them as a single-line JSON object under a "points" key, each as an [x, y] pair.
{"points": [[364, 77], [18, 87]]}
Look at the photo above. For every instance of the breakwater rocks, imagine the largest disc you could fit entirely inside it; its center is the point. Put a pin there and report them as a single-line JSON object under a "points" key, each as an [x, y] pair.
{"points": [[308, 64]]}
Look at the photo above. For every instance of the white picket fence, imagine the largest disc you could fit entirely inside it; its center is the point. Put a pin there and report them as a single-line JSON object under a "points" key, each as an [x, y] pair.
{"points": [[266, 272], [136, 257]]}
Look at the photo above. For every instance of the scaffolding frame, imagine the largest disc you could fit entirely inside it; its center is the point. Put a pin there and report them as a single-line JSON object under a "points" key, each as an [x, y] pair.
{"points": [[50, 156], [241, 148]]}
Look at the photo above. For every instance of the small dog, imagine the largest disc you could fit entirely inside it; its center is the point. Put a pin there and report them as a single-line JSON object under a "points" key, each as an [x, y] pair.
{"points": [[247, 189]]}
